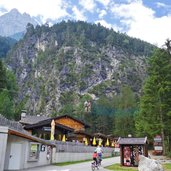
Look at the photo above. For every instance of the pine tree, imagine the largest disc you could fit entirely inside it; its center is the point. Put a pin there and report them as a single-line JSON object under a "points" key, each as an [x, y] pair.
{"points": [[2, 76], [155, 104], [8, 92], [124, 117]]}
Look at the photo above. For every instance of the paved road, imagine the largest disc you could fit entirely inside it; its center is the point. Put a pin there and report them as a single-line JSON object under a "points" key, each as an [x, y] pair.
{"points": [[85, 166]]}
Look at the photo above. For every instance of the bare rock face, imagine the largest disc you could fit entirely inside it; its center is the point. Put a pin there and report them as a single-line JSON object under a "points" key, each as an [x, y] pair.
{"points": [[146, 164], [14, 22]]}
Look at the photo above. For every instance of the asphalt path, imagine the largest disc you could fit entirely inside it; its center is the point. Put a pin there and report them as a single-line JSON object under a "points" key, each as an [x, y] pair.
{"points": [[85, 166]]}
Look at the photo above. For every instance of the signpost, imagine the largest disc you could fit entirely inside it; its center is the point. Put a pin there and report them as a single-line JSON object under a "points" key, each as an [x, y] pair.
{"points": [[158, 147]]}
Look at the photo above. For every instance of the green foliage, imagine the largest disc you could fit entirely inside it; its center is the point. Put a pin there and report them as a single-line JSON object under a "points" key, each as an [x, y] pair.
{"points": [[74, 52], [8, 93], [126, 107], [118, 167], [6, 105], [67, 109], [100, 89], [84, 34], [167, 166], [124, 123], [68, 100], [155, 106], [114, 115], [3, 81], [30, 30], [6, 44], [11, 83], [126, 98], [19, 107], [82, 86]]}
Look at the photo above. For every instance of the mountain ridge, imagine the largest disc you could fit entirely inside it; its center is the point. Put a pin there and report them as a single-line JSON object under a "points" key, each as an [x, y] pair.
{"points": [[14, 19], [53, 64]]}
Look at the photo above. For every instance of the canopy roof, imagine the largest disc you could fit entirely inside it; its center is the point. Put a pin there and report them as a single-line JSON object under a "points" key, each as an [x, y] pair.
{"points": [[130, 140]]}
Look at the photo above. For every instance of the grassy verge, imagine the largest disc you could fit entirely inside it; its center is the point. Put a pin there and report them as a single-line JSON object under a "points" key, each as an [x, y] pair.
{"points": [[167, 166], [117, 167]]}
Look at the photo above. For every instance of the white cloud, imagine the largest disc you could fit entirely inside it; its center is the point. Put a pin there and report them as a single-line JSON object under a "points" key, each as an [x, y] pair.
{"points": [[2, 13], [88, 5], [162, 5], [107, 25], [155, 30], [104, 2], [133, 17], [133, 11], [102, 13], [78, 14], [2, 10], [53, 9], [142, 23]]}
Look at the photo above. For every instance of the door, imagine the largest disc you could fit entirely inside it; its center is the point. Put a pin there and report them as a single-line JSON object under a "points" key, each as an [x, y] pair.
{"points": [[15, 157]]}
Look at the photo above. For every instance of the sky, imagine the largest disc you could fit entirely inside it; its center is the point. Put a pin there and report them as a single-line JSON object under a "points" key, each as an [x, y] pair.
{"points": [[148, 20]]}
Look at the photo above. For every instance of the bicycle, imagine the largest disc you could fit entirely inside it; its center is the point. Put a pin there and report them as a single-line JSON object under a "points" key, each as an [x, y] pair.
{"points": [[94, 166]]}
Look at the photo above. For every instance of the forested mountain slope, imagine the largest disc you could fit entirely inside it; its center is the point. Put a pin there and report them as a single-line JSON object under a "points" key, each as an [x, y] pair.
{"points": [[55, 66]]}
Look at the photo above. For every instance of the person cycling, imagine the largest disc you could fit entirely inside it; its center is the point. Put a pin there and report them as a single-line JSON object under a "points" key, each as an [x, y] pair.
{"points": [[95, 157], [99, 152]]}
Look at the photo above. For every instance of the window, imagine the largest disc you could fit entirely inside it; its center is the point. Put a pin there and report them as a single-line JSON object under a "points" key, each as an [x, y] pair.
{"points": [[34, 151]]}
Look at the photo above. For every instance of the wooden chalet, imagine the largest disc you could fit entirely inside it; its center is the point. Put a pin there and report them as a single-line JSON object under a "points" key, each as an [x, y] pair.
{"points": [[64, 125], [129, 147]]}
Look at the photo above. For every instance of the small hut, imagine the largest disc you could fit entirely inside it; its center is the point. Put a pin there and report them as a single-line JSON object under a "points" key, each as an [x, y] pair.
{"points": [[128, 149]]}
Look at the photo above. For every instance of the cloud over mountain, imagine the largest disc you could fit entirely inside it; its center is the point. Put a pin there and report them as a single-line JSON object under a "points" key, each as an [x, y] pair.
{"points": [[144, 19]]}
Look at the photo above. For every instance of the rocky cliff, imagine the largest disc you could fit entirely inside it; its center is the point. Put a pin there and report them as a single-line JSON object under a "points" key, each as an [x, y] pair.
{"points": [[14, 22], [51, 62]]}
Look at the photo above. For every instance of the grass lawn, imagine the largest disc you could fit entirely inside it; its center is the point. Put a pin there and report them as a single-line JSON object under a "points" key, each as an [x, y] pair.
{"points": [[117, 167], [167, 166]]}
